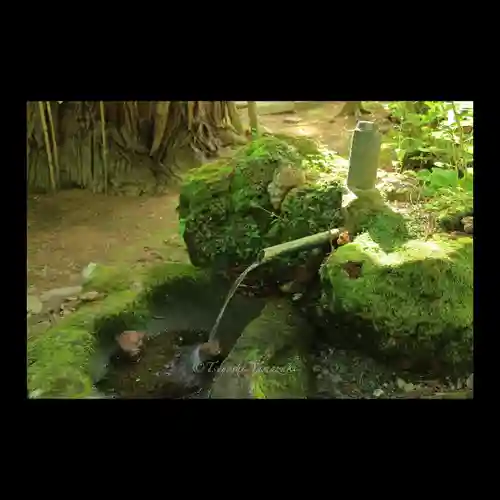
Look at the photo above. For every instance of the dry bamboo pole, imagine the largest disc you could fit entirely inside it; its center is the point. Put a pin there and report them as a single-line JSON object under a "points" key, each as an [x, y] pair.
{"points": [[253, 118], [104, 147], [47, 145], [54, 143]]}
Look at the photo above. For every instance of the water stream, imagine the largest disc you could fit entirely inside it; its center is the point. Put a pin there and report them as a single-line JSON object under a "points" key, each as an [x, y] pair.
{"points": [[230, 294], [196, 358]]}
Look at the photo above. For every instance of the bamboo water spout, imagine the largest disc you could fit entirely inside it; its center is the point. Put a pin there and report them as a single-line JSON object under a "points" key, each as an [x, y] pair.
{"points": [[203, 352], [306, 243]]}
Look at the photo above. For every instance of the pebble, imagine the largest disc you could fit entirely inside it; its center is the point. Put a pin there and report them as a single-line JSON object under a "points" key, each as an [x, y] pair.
{"points": [[34, 304], [400, 383], [68, 291], [88, 271], [378, 392], [90, 296]]}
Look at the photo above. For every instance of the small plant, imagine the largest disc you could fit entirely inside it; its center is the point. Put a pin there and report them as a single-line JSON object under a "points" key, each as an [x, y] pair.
{"points": [[433, 134], [438, 179]]}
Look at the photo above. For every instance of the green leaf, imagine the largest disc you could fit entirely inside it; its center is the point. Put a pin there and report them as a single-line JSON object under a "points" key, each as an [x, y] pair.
{"points": [[182, 227], [444, 178], [423, 174], [467, 183]]}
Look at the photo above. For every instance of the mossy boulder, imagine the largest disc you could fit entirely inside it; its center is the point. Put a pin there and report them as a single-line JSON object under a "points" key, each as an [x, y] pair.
{"points": [[65, 361], [268, 361], [226, 213], [412, 301]]}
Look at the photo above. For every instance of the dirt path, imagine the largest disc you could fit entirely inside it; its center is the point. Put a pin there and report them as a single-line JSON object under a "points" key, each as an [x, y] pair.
{"points": [[73, 228], [318, 122]]}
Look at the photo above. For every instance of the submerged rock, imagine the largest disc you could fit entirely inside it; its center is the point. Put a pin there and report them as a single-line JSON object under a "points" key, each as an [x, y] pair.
{"points": [[268, 361], [131, 342]]}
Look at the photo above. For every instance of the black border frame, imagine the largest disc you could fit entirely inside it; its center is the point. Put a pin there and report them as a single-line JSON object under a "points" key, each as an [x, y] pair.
{"points": [[242, 416]]}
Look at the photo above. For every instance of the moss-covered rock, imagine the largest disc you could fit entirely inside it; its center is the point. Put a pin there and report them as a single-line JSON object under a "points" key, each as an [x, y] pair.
{"points": [[450, 206], [62, 362], [268, 361], [225, 208], [414, 301]]}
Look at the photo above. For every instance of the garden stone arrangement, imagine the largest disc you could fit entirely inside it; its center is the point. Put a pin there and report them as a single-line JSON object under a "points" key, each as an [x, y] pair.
{"points": [[383, 311]]}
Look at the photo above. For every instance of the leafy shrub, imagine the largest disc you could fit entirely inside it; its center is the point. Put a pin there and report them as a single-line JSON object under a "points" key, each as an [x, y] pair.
{"points": [[433, 133]]}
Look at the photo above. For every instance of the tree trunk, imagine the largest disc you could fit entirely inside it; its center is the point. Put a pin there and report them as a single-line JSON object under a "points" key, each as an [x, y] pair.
{"points": [[353, 108], [164, 136]]}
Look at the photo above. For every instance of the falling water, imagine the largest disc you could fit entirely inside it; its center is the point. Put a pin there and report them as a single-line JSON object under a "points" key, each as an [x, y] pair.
{"points": [[195, 356], [235, 286]]}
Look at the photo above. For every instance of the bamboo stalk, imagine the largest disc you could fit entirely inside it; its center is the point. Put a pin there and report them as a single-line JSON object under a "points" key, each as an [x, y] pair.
{"points": [[54, 142], [306, 243], [47, 145], [104, 147], [253, 118]]}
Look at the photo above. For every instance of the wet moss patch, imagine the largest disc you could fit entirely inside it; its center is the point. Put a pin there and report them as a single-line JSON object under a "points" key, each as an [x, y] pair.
{"points": [[225, 208], [415, 302], [269, 359], [70, 357]]}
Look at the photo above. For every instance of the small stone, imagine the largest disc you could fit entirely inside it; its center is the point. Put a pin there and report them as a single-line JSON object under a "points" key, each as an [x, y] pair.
{"points": [[468, 223], [400, 383], [292, 120], [61, 293], [287, 287], [34, 304], [90, 296], [378, 392], [88, 270]]}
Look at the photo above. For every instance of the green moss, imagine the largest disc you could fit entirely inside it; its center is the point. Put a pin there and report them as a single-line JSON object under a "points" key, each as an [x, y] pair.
{"points": [[450, 206], [268, 359], [417, 299], [225, 210], [62, 361], [171, 273], [59, 360], [204, 185], [109, 279], [308, 210]]}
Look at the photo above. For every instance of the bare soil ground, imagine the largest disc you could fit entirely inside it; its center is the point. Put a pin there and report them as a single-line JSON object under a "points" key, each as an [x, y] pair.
{"points": [[69, 230]]}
